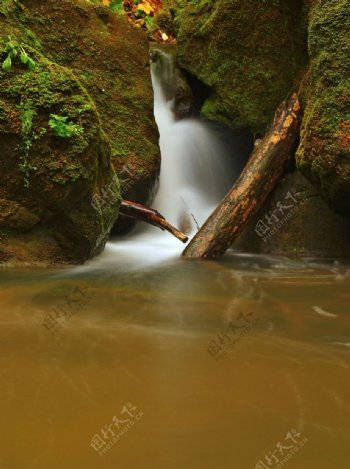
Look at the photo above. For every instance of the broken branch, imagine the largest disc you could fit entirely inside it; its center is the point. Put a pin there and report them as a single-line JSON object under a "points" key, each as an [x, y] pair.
{"points": [[148, 215]]}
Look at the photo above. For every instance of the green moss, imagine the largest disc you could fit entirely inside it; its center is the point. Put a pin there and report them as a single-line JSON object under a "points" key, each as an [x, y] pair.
{"points": [[249, 53], [85, 72], [114, 75], [32, 38], [130, 130], [7, 6], [324, 153]]}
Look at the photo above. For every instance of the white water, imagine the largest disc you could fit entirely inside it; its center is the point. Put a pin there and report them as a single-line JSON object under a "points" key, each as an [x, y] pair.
{"points": [[197, 170]]}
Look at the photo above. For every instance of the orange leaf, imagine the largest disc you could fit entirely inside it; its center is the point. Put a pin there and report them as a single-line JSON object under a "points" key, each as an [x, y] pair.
{"points": [[146, 7]]}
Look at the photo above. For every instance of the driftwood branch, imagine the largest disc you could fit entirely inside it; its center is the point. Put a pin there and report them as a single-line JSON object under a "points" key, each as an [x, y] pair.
{"points": [[263, 170], [148, 215]]}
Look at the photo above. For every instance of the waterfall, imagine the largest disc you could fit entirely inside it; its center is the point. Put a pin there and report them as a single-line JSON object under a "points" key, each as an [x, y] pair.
{"points": [[196, 170], [198, 166]]}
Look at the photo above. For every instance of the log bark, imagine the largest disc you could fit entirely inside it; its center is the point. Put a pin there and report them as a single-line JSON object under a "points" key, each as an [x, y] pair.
{"points": [[148, 215], [263, 170]]}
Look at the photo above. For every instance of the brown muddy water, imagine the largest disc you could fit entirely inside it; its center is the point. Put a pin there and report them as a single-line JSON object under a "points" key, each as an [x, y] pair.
{"points": [[195, 365]]}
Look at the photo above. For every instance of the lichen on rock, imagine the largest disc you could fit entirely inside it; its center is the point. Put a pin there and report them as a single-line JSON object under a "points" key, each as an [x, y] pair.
{"points": [[52, 178]]}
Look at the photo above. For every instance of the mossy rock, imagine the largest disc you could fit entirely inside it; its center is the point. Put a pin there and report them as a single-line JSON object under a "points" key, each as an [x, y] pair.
{"points": [[48, 182], [249, 52], [324, 152], [110, 57], [92, 67]]}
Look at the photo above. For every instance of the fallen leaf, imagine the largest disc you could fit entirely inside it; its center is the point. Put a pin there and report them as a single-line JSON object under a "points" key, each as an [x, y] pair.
{"points": [[146, 7]]}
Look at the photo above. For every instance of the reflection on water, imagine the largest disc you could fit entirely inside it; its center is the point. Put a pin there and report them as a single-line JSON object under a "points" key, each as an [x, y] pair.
{"points": [[135, 343]]}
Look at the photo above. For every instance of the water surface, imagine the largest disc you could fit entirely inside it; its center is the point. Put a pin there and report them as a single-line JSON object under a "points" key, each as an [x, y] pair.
{"points": [[141, 337]]}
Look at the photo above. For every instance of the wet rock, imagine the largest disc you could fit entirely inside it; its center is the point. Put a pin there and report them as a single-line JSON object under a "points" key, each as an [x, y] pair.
{"points": [[296, 221], [91, 70], [111, 58], [174, 84]]}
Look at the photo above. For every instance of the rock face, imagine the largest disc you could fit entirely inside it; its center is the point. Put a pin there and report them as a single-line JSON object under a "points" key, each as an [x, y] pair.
{"points": [[174, 84], [59, 194], [249, 52], [296, 221], [324, 152]]}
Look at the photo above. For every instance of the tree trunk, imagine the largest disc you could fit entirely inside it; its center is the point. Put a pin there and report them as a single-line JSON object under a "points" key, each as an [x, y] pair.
{"points": [[263, 170], [148, 215]]}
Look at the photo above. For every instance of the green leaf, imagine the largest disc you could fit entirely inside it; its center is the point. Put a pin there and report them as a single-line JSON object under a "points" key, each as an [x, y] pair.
{"points": [[117, 6], [149, 22], [7, 64], [13, 53], [10, 46], [31, 64], [24, 57], [64, 129]]}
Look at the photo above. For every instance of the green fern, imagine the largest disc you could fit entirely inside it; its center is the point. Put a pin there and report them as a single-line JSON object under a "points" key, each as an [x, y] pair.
{"points": [[62, 128]]}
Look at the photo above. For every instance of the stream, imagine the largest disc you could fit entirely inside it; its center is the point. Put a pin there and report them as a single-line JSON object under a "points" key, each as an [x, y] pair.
{"points": [[169, 339]]}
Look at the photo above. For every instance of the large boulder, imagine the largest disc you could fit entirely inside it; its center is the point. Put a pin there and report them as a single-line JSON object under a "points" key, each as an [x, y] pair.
{"points": [[324, 152], [249, 52], [110, 56], [84, 108], [48, 181]]}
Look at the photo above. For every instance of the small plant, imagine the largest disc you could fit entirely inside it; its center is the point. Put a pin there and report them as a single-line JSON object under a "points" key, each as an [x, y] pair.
{"points": [[117, 6], [62, 128], [140, 12], [13, 50], [149, 22]]}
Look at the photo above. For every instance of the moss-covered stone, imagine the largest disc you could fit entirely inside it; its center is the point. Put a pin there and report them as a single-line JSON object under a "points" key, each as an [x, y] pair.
{"points": [[110, 57], [59, 196], [46, 178], [249, 52], [324, 152]]}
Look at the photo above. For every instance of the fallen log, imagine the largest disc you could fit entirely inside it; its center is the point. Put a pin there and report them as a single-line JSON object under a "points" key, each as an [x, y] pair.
{"points": [[263, 170], [148, 215]]}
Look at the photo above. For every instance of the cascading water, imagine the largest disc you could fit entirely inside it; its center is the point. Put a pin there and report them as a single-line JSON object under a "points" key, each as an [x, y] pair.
{"points": [[196, 170], [198, 167]]}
